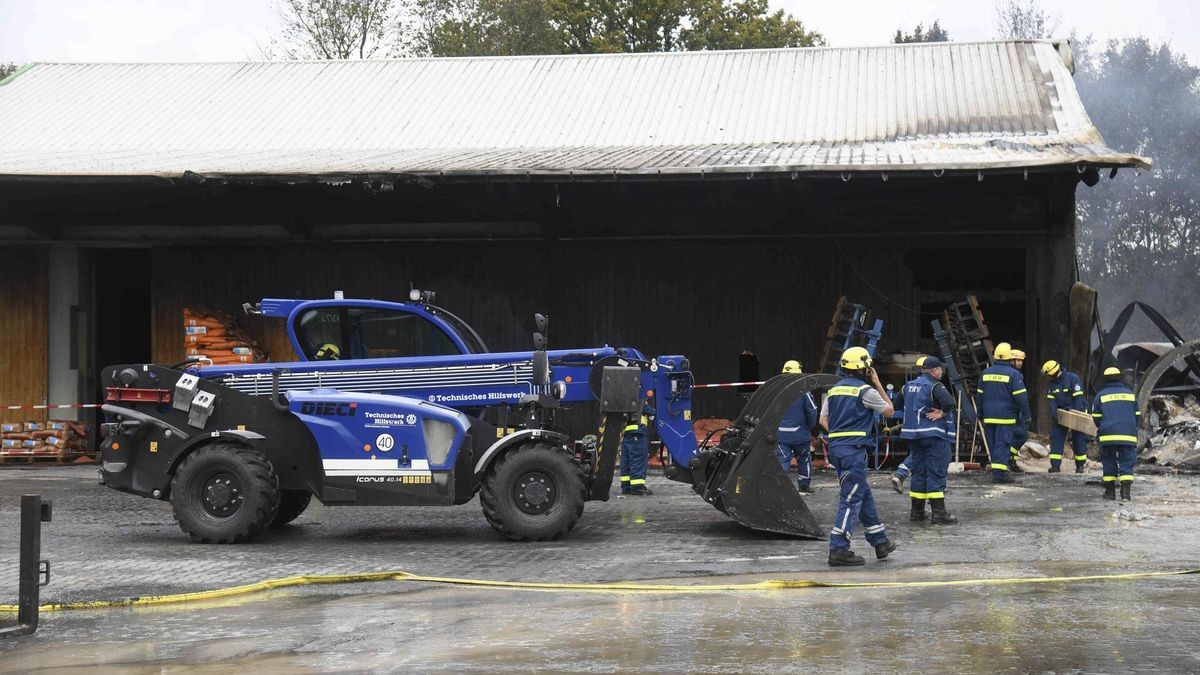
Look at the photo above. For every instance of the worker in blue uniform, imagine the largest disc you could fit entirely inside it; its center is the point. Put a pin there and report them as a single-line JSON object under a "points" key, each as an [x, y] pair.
{"points": [[848, 414], [795, 435], [635, 453], [1021, 431], [1065, 393], [1116, 415], [928, 407], [1003, 405]]}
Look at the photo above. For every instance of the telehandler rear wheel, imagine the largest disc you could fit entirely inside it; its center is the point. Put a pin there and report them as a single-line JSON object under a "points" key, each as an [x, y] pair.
{"points": [[291, 504], [533, 493], [224, 493]]}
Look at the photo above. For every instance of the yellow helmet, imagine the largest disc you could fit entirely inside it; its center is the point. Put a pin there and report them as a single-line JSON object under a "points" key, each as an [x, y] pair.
{"points": [[792, 367], [1018, 355], [328, 352], [856, 358], [1112, 371], [1003, 352], [1051, 368]]}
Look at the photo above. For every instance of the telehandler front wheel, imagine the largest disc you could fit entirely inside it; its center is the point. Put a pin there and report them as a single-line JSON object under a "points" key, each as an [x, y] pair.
{"points": [[533, 493], [224, 493]]}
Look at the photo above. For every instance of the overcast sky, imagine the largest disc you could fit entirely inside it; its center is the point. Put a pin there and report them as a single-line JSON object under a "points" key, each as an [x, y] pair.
{"points": [[217, 30]]}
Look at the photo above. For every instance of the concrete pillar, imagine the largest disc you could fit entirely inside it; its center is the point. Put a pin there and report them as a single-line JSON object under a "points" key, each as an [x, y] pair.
{"points": [[64, 333]]}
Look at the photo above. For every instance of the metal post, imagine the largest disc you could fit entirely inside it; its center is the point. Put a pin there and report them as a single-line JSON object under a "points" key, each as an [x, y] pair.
{"points": [[34, 572]]}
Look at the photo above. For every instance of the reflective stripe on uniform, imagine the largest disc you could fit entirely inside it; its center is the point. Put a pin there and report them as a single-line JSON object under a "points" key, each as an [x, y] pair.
{"points": [[624, 479], [1019, 391], [994, 377], [1110, 479], [1080, 458], [1117, 438], [789, 428], [1117, 397], [999, 467], [638, 481], [918, 495], [1054, 457], [843, 434], [935, 495], [1126, 478], [631, 427], [1050, 396], [1078, 393], [998, 420]]}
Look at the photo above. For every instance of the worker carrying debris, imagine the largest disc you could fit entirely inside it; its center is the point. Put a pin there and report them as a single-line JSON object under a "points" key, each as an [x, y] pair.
{"points": [[635, 453], [928, 410], [848, 414], [1004, 405], [795, 435], [1065, 393], [1116, 415]]}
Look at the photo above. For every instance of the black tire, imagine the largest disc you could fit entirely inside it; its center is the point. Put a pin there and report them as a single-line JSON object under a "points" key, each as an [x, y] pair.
{"points": [[291, 504], [224, 493], [534, 492]]}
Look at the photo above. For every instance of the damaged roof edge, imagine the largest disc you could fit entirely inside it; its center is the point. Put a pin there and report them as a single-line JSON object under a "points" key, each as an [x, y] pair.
{"points": [[681, 173]]}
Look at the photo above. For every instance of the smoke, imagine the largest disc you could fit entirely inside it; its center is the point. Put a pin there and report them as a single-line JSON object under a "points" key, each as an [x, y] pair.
{"points": [[1138, 234]]}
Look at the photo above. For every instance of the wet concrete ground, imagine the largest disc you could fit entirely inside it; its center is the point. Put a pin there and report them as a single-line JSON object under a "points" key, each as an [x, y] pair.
{"points": [[107, 545]]}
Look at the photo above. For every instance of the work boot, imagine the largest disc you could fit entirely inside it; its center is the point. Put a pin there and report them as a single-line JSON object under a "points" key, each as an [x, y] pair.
{"points": [[1012, 466], [898, 484], [882, 550], [1055, 468], [1125, 486], [940, 515], [804, 488], [845, 558], [1110, 490], [1005, 479], [641, 491], [918, 510], [1080, 466]]}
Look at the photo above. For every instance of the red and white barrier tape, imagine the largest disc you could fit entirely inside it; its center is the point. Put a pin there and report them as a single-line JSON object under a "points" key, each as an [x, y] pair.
{"points": [[728, 384], [53, 406]]}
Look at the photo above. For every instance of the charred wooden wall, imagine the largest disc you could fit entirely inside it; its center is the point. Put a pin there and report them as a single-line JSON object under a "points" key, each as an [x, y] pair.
{"points": [[708, 271]]}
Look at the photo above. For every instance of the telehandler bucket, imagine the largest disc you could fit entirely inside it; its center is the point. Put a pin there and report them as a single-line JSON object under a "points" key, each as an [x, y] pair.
{"points": [[741, 476]]}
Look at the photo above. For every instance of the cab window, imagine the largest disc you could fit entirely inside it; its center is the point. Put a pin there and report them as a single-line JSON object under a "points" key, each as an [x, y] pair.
{"points": [[370, 333]]}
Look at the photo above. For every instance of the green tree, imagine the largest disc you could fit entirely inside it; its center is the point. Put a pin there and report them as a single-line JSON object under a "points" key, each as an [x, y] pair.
{"points": [[7, 69], [745, 25], [487, 27], [338, 29], [1139, 236], [934, 33]]}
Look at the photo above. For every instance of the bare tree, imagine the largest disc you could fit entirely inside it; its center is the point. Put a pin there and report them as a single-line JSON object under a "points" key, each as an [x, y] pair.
{"points": [[1024, 20], [338, 29]]}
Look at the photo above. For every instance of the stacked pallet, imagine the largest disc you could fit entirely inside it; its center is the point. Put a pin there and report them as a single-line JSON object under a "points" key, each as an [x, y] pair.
{"points": [[56, 440], [213, 335]]}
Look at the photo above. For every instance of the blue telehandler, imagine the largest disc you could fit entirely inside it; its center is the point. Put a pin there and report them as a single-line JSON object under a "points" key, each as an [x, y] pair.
{"points": [[401, 403]]}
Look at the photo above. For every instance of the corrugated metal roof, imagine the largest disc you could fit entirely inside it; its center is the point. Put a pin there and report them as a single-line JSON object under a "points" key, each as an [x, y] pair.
{"points": [[953, 106]]}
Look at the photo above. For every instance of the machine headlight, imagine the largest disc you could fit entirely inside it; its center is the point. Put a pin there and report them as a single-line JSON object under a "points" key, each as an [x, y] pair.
{"points": [[439, 436], [559, 390]]}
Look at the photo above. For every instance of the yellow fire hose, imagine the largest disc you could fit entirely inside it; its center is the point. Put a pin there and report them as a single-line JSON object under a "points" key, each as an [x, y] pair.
{"points": [[609, 587]]}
